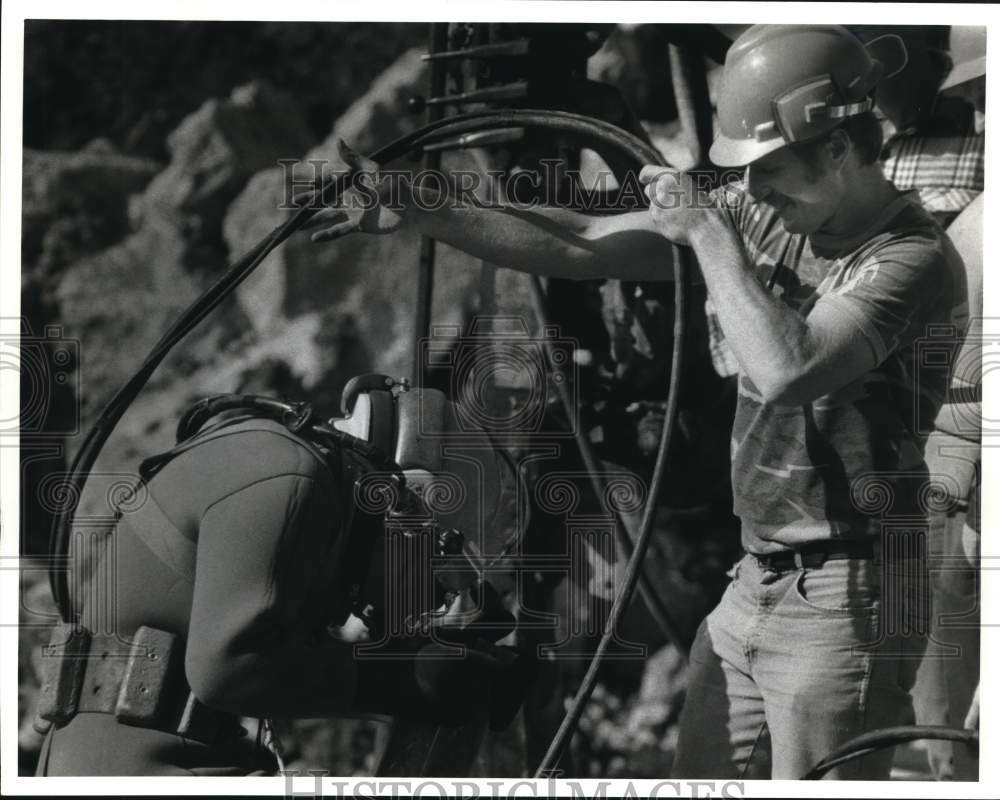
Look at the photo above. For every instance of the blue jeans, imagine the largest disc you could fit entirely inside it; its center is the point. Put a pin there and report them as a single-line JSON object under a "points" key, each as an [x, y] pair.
{"points": [[792, 664]]}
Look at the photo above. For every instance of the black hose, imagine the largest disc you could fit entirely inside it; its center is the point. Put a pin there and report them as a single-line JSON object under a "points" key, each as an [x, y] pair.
{"points": [[868, 743], [589, 132], [654, 603], [297, 417], [561, 740]]}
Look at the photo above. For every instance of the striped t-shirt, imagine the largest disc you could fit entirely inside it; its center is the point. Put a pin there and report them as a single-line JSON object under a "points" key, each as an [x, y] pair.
{"points": [[853, 459]]}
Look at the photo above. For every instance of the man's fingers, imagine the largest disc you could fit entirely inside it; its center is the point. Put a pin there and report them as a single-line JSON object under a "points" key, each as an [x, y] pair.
{"points": [[651, 172], [347, 155], [655, 192], [335, 232], [355, 160], [324, 195]]}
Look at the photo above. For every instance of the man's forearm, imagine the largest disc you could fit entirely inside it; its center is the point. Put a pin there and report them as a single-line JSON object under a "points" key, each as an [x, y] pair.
{"points": [[771, 341], [549, 241]]}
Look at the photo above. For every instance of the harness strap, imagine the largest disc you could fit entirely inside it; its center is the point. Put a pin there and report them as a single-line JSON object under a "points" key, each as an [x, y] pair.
{"points": [[175, 550], [150, 466]]}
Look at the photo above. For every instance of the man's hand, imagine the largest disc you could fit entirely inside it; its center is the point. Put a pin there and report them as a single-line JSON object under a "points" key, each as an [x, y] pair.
{"points": [[361, 209], [473, 614], [679, 209]]}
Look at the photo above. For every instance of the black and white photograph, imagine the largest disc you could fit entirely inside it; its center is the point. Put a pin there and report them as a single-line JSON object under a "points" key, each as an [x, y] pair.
{"points": [[582, 399]]}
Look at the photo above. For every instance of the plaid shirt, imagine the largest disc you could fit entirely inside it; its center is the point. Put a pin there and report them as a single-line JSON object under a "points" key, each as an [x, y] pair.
{"points": [[942, 160]]}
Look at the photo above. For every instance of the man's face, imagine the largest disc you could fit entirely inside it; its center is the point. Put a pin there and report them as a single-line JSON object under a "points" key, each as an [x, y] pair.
{"points": [[804, 195]]}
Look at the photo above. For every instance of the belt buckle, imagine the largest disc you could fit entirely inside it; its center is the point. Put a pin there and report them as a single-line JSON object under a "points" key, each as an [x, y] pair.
{"points": [[797, 559]]}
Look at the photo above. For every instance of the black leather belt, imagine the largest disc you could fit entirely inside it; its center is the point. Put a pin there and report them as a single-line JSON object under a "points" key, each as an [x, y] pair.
{"points": [[815, 555]]}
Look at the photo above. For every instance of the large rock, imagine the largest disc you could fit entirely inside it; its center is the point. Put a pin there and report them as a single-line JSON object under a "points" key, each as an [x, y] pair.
{"points": [[371, 280], [283, 287], [76, 203], [217, 149], [120, 301]]}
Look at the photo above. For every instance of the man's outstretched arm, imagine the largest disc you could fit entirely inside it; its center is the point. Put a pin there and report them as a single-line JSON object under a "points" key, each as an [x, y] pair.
{"points": [[556, 242], [553, 241]]}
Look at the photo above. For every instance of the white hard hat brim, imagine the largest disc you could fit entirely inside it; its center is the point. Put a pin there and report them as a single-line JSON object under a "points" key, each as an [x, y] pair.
{"points": [[727, 152]]}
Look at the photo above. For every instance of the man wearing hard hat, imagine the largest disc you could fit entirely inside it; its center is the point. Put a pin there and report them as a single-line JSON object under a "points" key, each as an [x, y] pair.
{"points": [[830, 287], [826, 281]]}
